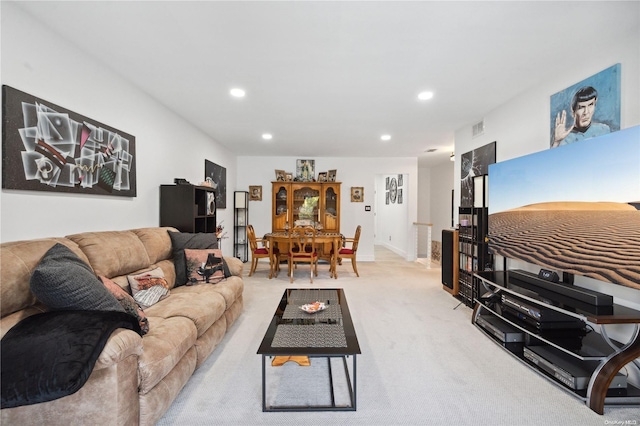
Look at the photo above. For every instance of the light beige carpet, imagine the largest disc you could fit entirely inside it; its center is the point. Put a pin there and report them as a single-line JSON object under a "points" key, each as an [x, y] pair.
{"points": [[422, 362]]}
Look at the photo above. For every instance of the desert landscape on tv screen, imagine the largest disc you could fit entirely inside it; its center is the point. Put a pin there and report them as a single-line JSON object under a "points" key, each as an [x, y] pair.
{"points": [[574, 209]]}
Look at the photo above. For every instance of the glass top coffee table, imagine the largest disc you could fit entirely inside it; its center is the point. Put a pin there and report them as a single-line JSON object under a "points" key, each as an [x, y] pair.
{"points": [[323, 338]]}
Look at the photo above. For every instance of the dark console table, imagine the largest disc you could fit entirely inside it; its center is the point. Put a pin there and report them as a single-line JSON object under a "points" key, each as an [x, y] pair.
{"points": [[523, 334]]}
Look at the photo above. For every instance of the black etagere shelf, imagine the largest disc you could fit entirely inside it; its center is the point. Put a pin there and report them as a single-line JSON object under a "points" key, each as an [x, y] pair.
{"points": [[240, 222], [473, 247]]}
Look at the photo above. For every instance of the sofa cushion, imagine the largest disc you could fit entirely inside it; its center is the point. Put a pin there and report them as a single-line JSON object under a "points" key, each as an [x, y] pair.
{"points": [[183, 240], [201, 303], [113, 253], [156, 241], [167, 342], [149, 287], [128, 303], [231, 289], [18, 259], [63, 281]]}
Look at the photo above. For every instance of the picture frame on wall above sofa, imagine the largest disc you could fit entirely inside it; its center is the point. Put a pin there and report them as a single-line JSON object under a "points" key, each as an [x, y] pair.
{"points": [[218, 175], [46, 147]]}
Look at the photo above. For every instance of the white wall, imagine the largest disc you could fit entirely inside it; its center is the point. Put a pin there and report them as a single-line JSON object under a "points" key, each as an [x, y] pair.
{"points": [[440, 200], [522, 125], [351, 172], [40, 63]]}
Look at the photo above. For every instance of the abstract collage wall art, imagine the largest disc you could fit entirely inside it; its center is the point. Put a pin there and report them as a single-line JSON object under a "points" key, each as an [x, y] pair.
{"points": [[49, 148]]}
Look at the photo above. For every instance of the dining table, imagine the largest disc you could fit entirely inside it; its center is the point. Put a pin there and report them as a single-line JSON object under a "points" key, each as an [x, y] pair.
{"points": [[327, 243]]}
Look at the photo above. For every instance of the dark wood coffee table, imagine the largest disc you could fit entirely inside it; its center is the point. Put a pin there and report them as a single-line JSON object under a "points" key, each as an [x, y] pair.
{"points": [[325, 334]]}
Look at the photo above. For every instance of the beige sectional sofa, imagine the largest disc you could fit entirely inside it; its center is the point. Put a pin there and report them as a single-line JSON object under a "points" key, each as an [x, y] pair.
{"points": [[136, 378]]}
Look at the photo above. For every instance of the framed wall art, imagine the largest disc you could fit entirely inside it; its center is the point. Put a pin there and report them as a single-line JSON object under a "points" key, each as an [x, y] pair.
{"points": [[255, 193], [305, 170], [474, 163], [587, 109], [357, 194], [46, 147], [218, 175]]}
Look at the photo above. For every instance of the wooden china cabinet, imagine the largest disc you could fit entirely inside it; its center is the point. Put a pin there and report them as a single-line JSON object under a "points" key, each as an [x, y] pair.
{"points": [[296, 201]]}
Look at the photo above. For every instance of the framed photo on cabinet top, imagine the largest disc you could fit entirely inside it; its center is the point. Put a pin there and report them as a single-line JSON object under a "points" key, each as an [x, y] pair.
{"points": [[331, 175], [322, 177], [280, 175]]}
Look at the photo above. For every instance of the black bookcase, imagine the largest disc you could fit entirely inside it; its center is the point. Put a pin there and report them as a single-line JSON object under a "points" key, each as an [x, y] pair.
{"points": [[240, 222], [472, 243], [188, 208]]}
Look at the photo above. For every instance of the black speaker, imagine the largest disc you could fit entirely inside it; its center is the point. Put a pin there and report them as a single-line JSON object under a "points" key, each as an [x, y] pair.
{"points": [[447, 258]]}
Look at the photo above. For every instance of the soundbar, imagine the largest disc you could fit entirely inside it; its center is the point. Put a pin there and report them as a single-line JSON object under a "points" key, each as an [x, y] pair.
{"points": [[588, 296], [569, 371]]}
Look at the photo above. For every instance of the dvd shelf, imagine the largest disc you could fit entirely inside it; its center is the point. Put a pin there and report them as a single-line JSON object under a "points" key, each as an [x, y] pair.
{"points": [[472, 244]]}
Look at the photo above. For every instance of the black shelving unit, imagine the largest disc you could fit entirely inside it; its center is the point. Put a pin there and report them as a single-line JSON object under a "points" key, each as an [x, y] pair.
{"points": [[240, 222], [472, 243], [188, 208]]}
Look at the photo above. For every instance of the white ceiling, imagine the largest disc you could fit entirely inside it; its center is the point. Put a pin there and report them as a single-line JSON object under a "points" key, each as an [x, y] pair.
{"points": [[328, 78]]}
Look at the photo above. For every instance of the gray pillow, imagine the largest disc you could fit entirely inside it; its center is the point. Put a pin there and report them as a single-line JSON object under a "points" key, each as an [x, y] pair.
{"points": [[185, 240], [62, 281]]}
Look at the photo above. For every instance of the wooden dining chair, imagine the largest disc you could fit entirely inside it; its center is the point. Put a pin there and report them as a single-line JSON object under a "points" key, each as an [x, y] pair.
{"points": [[259, 249], [350, 252], [302, 249]]}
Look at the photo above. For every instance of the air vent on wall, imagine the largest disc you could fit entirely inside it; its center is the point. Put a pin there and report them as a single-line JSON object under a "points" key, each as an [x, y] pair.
{"points": [[478, 129]]}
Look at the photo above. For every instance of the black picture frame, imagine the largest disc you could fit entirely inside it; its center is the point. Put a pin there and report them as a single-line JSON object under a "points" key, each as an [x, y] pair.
{"points": [[46, 147]]}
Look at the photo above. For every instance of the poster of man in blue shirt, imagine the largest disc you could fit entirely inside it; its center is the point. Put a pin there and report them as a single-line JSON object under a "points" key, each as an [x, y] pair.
{"points": [[594, 108]]}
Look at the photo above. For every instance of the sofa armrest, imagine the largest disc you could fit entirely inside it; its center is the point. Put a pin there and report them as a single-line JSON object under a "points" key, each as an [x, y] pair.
{"points": [[120, 345], [235, 265]]}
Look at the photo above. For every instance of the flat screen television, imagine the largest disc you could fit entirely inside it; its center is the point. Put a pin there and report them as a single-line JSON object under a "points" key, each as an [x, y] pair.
{"points": [[574, 208]]}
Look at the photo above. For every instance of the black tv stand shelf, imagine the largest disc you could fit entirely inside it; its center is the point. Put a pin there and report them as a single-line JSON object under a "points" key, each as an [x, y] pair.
{"points": [[573, 356]]}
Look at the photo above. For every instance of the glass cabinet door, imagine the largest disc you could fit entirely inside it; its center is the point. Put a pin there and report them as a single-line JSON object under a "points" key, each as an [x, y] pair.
{"points": [[331, 208], [280, 204], [306, 204]]}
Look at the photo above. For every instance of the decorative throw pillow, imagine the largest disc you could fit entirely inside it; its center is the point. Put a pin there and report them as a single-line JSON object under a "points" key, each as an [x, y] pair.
{"points": [[148, 288], [128, 303], [196, 260], [62, 281], [185, 240]]}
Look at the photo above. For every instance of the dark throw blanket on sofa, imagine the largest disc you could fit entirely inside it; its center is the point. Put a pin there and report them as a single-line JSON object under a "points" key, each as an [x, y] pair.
{"points": [[51, 355]]}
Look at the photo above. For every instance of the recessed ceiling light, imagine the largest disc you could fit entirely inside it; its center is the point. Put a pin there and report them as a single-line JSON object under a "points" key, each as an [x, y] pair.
{"points": [[424, 96], [267, 136], [237, 92], [385, 137]]}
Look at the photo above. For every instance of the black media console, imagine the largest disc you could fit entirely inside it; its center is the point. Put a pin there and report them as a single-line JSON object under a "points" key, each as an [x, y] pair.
{"points": [[549, 326]]}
